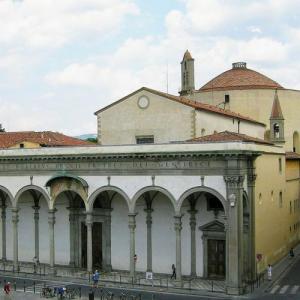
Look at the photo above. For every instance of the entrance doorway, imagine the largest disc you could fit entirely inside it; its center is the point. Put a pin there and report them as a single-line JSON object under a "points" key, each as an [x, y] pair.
{"points": [[96, 245], [216, 258]]}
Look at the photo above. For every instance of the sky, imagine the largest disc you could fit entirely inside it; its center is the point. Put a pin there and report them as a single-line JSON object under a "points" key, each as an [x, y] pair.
{"points": [[62, 60]]}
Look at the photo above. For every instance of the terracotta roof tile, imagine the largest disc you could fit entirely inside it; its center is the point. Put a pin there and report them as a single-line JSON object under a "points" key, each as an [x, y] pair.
{"points": [[44, 138], [240, 78], [228, 136], [187, 55], [292, 156], [276, 108]]}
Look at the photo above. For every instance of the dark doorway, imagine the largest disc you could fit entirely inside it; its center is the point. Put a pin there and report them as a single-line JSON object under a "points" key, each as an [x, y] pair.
{"points": [[216, 258], [97, 245]]}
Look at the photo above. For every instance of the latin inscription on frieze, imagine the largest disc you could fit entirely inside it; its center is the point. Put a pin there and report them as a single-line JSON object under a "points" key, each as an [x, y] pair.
{"points": [[104, 165]]}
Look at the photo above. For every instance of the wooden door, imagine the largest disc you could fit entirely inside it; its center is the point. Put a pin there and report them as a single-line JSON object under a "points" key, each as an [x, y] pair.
{"points": [[216, 258]]}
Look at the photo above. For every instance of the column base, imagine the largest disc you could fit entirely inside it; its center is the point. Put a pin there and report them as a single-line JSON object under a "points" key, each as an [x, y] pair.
{"points": [[193, 275], [234, 290]]}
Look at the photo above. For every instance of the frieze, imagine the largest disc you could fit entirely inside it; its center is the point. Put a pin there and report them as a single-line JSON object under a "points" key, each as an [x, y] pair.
{"points": [[102, 165]]}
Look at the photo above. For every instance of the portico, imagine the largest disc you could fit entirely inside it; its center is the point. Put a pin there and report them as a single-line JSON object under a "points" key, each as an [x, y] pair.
{"points": [[99, 207]]}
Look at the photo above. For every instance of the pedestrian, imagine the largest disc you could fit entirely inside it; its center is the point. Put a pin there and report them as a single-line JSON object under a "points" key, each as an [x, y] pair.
{"points": [[7, 288], [269, 272], [292, 253], [96, 277], [35, 264], [173, 272]]}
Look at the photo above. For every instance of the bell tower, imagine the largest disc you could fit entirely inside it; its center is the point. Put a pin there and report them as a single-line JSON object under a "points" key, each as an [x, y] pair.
{"points": [[187, 74], [276, 122]]}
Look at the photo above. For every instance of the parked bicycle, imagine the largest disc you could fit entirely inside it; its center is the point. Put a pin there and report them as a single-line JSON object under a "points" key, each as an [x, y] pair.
{"points": [[47, 292]]}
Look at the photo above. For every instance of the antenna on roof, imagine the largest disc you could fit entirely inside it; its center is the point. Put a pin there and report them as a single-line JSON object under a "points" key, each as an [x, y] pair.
{"points": [[167, 77]]}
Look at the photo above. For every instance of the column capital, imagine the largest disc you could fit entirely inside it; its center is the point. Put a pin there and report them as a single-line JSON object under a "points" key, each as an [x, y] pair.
{"points": [[234, 180], [15, 215], [178, 223], [51, 216], [89, 219], [131, 221], [251, 178]]}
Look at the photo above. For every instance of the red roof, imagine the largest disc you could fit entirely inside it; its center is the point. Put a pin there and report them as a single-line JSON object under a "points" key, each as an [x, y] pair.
{"points": [[292, 156], [228, 136], [43, 138], [195, 104], [240, 77]]}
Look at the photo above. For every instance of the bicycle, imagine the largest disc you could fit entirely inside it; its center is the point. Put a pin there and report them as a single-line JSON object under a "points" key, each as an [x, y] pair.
{"points": [[47, 292]]}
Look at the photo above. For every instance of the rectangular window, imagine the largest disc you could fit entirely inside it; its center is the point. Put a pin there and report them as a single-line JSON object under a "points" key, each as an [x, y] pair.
{"points": [[145, 139], [21, 145], [280, 199], [280, 165]]}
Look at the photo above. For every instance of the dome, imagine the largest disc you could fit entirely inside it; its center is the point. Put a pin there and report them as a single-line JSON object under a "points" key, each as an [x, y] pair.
{"points": [[240, 77]]}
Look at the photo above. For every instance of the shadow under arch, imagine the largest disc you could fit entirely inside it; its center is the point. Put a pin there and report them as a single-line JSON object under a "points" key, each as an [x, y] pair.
{"points": [[32, 187], [53, 202], [8, 193], [151, 188], [201, 189], [106, 188]]}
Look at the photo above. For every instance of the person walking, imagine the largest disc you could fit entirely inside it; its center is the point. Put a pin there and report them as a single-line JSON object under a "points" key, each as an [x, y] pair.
{"points": [[7, 288], [292, 253], [269, 272], [173, 272], [96, 277]]}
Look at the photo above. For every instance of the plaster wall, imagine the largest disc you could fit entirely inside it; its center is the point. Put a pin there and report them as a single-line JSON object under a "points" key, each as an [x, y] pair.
{"points": [[208, 123], [165, 119], [257, 104], [269, 183]]}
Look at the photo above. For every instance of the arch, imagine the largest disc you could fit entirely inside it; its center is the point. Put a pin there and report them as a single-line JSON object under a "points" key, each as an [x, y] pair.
{"points": [[139, 193], [32, 187], [296, 142], [59, 176], [9, 194], [94, 195], [69, 190], [201, 189]]}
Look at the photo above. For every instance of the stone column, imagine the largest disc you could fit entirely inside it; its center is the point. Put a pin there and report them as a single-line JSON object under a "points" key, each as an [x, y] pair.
{"points": [[89, 227], [132, 226], [193, 241], [15, 221], [36, 217], [149, 238], [3, 218], [234, 236], [72, 235], [251, 197], [178, 227], [108, 240], [51, 222]]}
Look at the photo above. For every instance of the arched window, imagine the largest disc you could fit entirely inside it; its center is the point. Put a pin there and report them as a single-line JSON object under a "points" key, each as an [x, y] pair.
{"points": [[296, 144], [276, 129]]}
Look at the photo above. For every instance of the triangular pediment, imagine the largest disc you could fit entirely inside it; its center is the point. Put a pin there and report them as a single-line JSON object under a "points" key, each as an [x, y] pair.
{"points": [[215, 226]]}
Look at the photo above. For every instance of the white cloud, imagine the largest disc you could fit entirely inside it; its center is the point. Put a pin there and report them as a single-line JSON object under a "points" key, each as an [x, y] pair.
{"points": [[53, 23]]}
